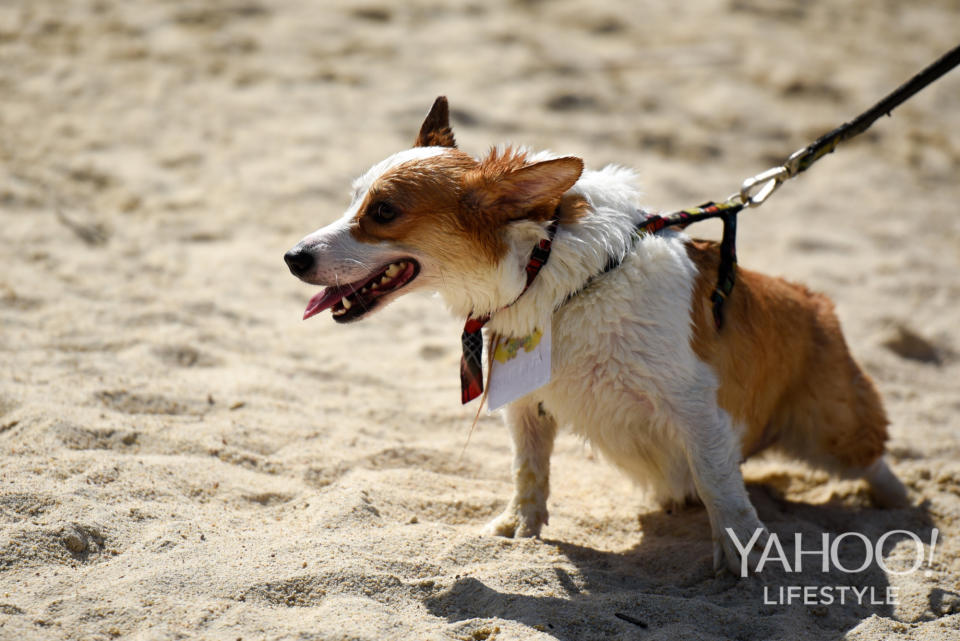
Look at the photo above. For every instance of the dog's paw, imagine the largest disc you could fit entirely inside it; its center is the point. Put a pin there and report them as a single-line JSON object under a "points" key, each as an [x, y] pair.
{"points": [[745, 538], [515, 522], [886, 490]]}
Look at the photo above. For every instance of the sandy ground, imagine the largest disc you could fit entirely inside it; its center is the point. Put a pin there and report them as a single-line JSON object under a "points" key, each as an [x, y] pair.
{"points": [[181, 456]]}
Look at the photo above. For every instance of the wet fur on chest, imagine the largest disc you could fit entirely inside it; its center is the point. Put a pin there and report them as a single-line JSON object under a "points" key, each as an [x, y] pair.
{"points": [[617, 347]]}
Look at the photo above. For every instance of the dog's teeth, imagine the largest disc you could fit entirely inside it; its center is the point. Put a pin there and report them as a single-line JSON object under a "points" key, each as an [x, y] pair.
{"points": [[364, 290], [346, 303], [374, 285], [339, 312], [392, 270]]}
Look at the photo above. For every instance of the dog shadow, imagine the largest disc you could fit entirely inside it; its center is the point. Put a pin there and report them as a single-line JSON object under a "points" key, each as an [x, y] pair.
{"points": [[665, 586]]}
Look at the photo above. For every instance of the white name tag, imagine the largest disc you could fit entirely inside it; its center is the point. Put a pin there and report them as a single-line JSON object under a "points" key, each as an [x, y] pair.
{"points": [[519, 366]]}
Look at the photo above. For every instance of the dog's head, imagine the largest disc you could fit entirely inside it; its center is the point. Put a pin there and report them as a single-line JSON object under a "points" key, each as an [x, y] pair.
{"points": [[434, 217]]}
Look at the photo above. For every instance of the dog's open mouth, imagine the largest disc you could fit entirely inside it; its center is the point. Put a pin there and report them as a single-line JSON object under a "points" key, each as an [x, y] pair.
{"points": [[350, 302]]}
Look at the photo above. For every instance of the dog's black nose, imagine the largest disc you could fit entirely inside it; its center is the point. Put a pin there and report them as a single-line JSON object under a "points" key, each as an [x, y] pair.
{"points": [[299, 261]]}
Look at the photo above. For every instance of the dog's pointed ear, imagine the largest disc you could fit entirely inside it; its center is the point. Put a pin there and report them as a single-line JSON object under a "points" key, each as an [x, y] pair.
{"points": [[535, 186], [435, 131]]}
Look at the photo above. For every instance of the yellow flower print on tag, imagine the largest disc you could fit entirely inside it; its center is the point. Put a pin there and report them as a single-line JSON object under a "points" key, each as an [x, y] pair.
{"points": [[507, 349]]}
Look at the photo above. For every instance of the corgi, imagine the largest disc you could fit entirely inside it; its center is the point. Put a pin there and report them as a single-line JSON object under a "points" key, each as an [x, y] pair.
{"points": [[638, 367]]}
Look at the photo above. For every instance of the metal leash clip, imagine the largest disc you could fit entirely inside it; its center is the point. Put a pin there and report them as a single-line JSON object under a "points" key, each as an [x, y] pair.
{"points": [[755, 191], [792, 164]]}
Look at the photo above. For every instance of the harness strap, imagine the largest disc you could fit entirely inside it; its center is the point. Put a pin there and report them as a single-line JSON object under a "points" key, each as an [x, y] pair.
{"points": [[726, 271]]}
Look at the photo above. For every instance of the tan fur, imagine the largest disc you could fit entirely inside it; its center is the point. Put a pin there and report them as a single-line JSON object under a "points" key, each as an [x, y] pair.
{"points": [[573, 207], [427, 197], [505, 187], [785, 370], [452, 206]]}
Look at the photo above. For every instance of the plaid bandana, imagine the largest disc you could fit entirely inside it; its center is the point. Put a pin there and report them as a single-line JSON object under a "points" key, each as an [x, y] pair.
{"points": [[471, 363]]}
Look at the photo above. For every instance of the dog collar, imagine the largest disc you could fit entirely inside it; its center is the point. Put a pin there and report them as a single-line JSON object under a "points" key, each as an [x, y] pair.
{"points": [[471, 362]]}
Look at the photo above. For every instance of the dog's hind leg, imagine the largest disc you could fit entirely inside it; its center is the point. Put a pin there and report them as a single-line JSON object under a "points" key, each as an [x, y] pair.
{"points": [[886, 490], [533, 430], [838, 423], [713, 454]]}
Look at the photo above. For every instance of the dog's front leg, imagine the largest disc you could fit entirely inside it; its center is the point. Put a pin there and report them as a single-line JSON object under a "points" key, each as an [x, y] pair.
{"points": [[713, 454], [533, 431]]}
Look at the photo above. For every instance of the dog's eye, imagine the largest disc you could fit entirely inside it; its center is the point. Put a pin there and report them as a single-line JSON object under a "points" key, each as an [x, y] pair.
{"points": [[383, 213]]}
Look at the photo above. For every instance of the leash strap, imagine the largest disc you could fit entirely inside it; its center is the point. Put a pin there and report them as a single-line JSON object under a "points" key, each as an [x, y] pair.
{"points": [[804, 158], [755, 191], [471, 341]]}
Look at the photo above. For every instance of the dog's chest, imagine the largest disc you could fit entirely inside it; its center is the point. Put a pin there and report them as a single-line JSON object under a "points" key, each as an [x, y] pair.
{"points": [[621, 349]]}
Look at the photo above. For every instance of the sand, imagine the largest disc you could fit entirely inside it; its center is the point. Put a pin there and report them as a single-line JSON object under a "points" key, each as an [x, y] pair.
{"points": [[181, 456]]}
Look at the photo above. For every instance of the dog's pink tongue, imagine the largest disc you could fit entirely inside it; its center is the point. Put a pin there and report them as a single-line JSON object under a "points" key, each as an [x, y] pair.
{"points": [[326, 299]]}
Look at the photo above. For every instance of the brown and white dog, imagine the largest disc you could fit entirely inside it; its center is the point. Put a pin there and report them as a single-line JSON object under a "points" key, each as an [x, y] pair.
{"points": [[638, 367]]}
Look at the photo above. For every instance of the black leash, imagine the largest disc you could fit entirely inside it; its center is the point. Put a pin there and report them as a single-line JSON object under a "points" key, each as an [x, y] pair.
{"points": [[802, 159], [755, 191]]}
